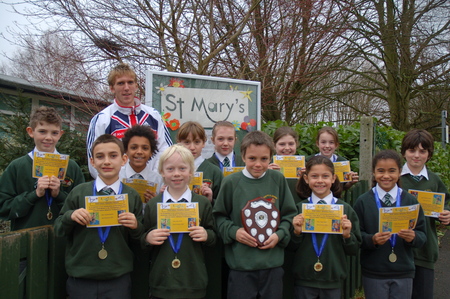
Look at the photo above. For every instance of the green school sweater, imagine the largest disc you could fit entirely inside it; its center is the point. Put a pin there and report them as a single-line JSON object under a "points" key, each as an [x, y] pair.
{"points": [[235, 192], [427, 255], [18, 200], [83, 244], [375, 258], [212, 176], [332, 258], [190, 279]]}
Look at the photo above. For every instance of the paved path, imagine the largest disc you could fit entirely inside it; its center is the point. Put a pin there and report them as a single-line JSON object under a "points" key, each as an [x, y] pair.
{"points": [[442, 269]]}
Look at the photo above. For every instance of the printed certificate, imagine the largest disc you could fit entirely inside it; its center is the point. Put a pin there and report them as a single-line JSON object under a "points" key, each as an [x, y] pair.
{"points": [[178, 217], [432, 202], [196, 182], [229, 170], [322, 218], [141, 186], [105, 209], [342, 170], [393, 219], [50, 164], [290, 165]]}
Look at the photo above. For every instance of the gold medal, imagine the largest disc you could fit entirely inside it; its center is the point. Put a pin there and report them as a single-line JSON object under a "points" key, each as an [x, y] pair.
{"points": [[102, 254], [318, 266], [392, 257], [176, 263], [49, 215]]}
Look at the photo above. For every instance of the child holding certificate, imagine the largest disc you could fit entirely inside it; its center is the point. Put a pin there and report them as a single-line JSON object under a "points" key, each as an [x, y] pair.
{"points": [[327, 141], [193, 137], [99, 259], [29, 201], [224, 137], [178, 264], [320, 264], [140, 146], [417, 149], [255, 259], [387, 259]]}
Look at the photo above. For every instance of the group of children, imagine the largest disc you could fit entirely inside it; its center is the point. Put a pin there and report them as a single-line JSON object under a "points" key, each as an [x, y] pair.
{"points": [[99, 260]]}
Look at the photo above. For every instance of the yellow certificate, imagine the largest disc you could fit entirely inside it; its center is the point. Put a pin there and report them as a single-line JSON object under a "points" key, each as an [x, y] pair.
{"points": [[141, 186], [322, 218], [290, 165], [196, 182], [393, 219], [105, 210], [229, 170], [342, 170], [432, 202], [50, 164], [178, 217]]}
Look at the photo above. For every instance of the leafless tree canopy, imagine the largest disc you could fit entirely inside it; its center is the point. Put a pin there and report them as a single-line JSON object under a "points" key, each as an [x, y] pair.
{"points": [[317, 60]]}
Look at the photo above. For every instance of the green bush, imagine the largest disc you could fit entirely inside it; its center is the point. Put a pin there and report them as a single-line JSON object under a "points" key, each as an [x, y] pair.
{"points": [[385, 138]]}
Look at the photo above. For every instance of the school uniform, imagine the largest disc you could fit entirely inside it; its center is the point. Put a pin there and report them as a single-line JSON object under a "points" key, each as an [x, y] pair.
{"points": [[425, 257], [375, 262], [234, 160]]}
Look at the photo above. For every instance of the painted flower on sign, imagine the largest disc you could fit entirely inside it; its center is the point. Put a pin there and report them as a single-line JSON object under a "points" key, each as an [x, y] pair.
{"points": [[176, 83], [248, 124]]}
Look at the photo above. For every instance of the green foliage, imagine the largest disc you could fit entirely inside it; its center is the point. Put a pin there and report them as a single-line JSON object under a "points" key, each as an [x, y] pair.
{"points": [[385, 138]]}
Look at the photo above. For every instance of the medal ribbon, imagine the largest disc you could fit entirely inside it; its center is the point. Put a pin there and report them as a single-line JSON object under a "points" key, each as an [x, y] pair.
{"points": [[103, 234], [325, 237], [180, 237], [393, 239]]}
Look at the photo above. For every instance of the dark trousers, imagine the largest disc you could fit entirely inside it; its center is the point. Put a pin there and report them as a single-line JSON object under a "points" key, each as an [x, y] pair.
{"points": [[117, 288], [261, 284], [313, 293], [423, 283]]}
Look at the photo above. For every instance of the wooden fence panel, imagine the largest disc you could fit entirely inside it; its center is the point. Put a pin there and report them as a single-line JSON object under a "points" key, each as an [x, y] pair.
{"points": [[9, 265]]}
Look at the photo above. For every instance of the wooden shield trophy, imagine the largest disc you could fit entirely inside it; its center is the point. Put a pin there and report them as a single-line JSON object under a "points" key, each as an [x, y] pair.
{"points": [[260, 218]]}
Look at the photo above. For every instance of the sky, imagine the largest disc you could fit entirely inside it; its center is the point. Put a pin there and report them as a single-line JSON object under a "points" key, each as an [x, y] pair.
{"points": [[8, 21]]}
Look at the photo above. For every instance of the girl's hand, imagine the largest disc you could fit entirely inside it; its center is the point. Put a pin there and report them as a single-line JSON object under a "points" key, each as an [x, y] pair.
{"points": [[198, 233], [274, 166], [346, 227], [381, 238], [157, 236], [206, 191], [407, 234], [149, 195], [444, 217], [297, 222]]}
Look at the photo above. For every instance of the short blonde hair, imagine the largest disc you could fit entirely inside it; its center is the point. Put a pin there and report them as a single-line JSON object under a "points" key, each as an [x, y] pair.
{"points": [[185, 154], [121, 69]]}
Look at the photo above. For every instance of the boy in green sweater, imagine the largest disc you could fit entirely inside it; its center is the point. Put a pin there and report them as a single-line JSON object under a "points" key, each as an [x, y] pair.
{"points": [[178, 263], [30, 202], [417, 149], [99, 260], [255, 261]]}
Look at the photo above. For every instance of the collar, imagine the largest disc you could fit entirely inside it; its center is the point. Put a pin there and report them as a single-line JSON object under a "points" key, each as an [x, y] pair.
{"points": [[129, 110], [222, 157], [129, 171], [328, 199], [186, 195], [99, 185], [423, 172], [393, 192], [198, 161], [35, 150], [333, 157], [247, 174]]}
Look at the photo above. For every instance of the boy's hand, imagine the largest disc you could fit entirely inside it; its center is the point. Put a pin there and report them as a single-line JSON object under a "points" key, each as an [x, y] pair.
{"points": [[381, 238], [42, 184], [149, 195], [198, 233], [346, 227], [407, 234], [128, 220], [206, 191], [81, 216], [444, 217], [157, 236], [298, 223], [243, 237], [271, 242], [274, 166], [54, 185]]}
